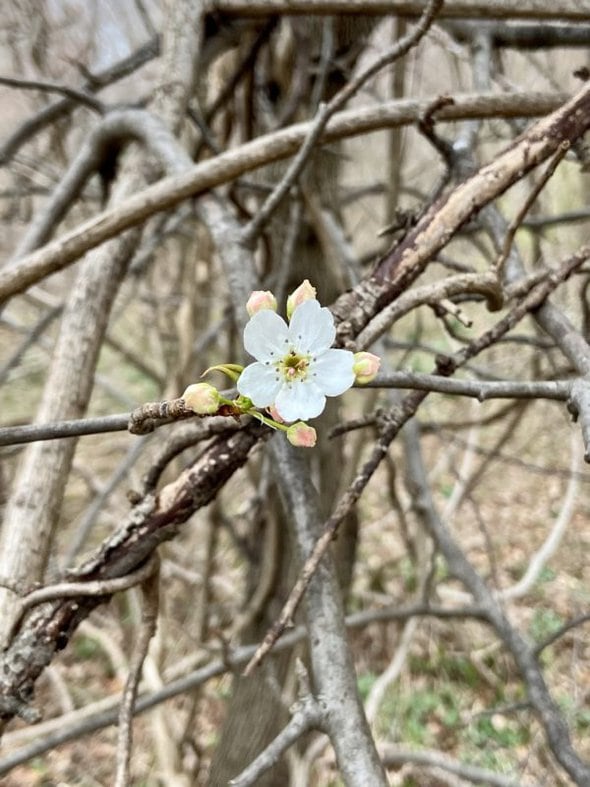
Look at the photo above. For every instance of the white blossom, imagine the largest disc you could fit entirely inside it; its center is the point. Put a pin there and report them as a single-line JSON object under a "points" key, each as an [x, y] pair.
{"points": [[295, 366]]}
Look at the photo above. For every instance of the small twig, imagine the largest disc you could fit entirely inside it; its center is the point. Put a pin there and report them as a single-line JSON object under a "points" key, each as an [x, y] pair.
{"points": [[426, 128], [80, 96], [448, 307], [534, 193], [149, 619], [579, 620]]}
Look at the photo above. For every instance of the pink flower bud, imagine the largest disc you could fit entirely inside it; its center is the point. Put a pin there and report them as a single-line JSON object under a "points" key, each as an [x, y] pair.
{"points": [[305, 292], [275, 415], [260, 300], [202, 399], [302, 435], [365, 367]]}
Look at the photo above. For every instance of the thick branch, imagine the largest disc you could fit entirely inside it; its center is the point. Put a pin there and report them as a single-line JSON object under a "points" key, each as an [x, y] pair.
{"points": [[154, 520], [478, 9], [205, 175], [333, 669], [401, 266]]}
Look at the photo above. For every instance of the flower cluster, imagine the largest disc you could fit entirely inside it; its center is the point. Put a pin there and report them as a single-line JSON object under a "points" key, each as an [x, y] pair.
{"points": [[295, 366]]}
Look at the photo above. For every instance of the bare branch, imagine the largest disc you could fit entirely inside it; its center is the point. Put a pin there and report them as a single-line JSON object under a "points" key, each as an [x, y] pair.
{"points": [[97, 588], [308, 715], [546, 709], [205, 175], [326, 111], [557, 390], [53, 112], [149, 618], [394, 756], [78, 96], [478, 9]]}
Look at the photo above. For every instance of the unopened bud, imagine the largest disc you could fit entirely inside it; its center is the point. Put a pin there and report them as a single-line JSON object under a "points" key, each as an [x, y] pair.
{"points": [[365, 367], [260, 300], [302, 435], [275, 415], [202, 399], [305, 292]]}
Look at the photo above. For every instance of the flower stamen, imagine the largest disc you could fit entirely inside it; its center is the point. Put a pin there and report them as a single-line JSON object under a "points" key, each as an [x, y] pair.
{"points": [[293, 367]]}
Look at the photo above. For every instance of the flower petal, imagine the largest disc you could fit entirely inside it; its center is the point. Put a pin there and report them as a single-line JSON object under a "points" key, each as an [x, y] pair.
{"points": [[266, 336], [299, 401], [312, 327], [332, 372], [259, 383]]}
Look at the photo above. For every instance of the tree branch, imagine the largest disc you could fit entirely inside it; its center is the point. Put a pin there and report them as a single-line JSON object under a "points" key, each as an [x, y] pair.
{"points": [[478, 9], [546, 709], [204, 176]]}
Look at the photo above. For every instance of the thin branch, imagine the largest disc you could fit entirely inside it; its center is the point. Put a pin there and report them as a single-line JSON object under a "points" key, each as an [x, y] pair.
{"points": [[392, 672], [54, 732], [78, 96], [550, 545], [12, 435], [57, 110], [143, 420], [526, 206], [308, 715], [567, 217], [557, 390], [579, 620], [62, 590], [393, 756], [35, 333], [326, 111], [149, 618]]}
